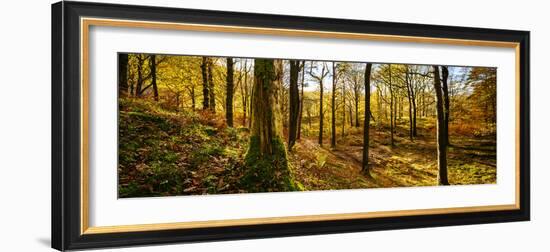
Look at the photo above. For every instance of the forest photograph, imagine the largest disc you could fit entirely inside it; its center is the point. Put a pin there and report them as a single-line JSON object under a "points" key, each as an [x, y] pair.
{"points": [[196, 125]]}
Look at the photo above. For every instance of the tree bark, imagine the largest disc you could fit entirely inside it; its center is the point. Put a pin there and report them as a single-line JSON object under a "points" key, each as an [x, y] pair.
{"points": [[263, 112], [333, 107], [294, 103], [139, 84], [266, 160], [244, 92], [153, 63], [193, 99], [444, 82], [392, 105], [122, 75], [205, 88], [413, 95], [301, 101], [357, 111], [321, 116], [229, 93], [211, 88], [441, 139], [344, 110], [366, 123], [410, 98]]}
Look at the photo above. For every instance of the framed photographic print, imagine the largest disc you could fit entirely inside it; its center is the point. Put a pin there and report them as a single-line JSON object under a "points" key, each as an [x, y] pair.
{"points": [[180, 125]]}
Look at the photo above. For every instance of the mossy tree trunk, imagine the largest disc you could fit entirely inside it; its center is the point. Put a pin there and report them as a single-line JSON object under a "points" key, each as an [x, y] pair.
{"points": [[266, 159]]}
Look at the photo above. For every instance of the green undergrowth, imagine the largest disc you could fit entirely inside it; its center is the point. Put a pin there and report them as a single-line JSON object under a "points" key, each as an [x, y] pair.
{"points": [[267, 173], [167, 153]]}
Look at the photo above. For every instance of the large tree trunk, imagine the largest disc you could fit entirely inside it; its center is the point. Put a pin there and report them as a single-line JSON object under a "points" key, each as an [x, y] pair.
{"points": [[122, 75], [153, 63], [266, 160], [294, 103], [441, 138], [205, 88], [229, 93], [333, 108], [366, 122]]}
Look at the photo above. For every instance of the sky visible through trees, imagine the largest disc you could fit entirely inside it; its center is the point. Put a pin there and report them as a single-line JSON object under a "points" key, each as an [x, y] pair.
{"points": [[193, 125]]}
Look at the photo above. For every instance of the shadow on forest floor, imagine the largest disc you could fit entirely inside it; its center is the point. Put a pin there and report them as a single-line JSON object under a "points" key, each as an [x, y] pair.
{"points": [[406, 163]]}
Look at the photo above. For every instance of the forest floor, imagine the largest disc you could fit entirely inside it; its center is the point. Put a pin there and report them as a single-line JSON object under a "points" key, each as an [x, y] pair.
{"points": [[471, 160], [166, 153]]}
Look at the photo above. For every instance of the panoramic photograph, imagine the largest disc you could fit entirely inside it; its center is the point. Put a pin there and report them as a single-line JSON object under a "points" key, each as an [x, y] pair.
{"points": [[196, 125]]}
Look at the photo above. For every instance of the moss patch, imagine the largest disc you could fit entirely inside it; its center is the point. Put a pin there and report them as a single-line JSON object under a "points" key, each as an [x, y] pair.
{"points": [[267, 173]]}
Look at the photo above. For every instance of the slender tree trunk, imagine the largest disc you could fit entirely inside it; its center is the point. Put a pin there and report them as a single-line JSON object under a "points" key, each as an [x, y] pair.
{"points": [[301, 101], [344, 110], [139, 84], [357, 110], [154, 77], [391, 107], [333, 108], [211, 88], [321, 113], [308, 119], [229, 93], [441, 141], [366, 123], [294, 103], [193, 99], [413, 95], [409, 96], [245, 92], [351, 123], [446, 107], [122, 75], [380, 108], [278, 82], [205, 88]]}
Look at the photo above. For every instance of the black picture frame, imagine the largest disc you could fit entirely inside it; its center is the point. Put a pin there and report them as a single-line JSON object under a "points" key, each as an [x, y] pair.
{"points": [[66, 124]]}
